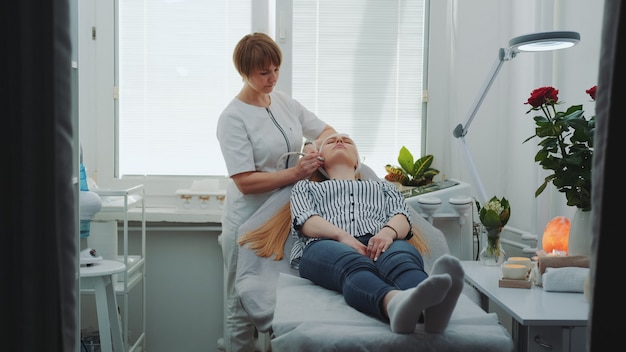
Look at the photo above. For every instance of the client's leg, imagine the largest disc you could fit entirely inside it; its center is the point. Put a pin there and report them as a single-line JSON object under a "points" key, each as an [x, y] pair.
{"points": [[338, 267], [405, 307], [437, 317], [403, 265]]}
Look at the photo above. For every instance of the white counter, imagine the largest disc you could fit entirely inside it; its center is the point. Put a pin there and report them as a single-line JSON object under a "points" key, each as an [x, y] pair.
{"points": [[165, 215]]}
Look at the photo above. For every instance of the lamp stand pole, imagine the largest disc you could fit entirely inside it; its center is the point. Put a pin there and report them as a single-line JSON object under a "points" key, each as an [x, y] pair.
{"points": [[461, 129]]}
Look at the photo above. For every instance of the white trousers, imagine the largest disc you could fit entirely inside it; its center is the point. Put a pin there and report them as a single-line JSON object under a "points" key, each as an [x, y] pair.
{"points": [[238, 328]]}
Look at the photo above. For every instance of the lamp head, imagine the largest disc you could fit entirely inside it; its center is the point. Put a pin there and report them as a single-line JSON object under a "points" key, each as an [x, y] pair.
{"points": [[544, 41]]}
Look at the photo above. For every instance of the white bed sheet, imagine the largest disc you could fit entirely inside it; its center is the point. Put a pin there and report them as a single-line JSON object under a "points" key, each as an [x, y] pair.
{"points": [[311, 318]]}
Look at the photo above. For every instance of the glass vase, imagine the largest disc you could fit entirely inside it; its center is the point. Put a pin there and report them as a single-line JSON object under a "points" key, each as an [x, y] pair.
{"points": [[492, 252]]}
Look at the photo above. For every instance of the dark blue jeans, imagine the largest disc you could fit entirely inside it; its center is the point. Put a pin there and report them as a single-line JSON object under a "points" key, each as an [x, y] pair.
{"points": [[363, 282]]}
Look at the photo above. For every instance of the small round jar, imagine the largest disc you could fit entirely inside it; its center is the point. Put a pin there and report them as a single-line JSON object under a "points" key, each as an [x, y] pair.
{"points": [[514, 271], [521, 260]]}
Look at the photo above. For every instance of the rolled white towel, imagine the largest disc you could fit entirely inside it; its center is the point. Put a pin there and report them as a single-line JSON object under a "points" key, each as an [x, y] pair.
{"points": [[565, 279]]}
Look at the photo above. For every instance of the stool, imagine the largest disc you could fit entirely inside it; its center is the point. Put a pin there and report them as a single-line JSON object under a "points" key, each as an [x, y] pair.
{"points": [[99, 278]]}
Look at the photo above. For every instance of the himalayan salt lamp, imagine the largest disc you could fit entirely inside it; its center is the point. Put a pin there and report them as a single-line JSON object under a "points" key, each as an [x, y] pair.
{"points": [[556, 235]]}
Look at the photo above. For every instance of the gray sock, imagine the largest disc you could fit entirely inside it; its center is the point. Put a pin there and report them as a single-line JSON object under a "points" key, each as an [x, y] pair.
{"points": [[437, 317], [405, 308]]}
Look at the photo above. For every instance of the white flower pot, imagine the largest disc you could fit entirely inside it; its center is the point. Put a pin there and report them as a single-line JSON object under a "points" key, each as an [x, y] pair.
{"points": [[580, 234]]}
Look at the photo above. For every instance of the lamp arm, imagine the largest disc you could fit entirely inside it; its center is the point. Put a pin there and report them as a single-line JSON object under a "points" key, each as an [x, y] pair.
{"points": [[555, 40], [470, 163], [461, 129], [503, 55]]}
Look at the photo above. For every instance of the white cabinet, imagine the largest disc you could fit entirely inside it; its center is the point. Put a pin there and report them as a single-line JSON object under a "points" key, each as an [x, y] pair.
{"points": [[541, 320], [116, 205], [550, 338], [456, 226]]}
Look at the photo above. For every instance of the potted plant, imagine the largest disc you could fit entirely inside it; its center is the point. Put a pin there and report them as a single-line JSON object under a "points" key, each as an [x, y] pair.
{"points": [[494, 215], [566, 145], [411, 172], [566, 148]]}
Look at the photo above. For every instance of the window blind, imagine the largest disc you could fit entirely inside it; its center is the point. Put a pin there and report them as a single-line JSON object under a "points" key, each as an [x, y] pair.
{"points": [[357, 64]]}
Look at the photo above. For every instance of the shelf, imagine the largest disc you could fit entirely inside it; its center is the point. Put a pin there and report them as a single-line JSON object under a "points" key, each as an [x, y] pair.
{"points": [[138, 346], [118, 204], [132, 263], [133, 280], [409, 192], [118, 192], [120, 201], [113, 204], [168, 214]]}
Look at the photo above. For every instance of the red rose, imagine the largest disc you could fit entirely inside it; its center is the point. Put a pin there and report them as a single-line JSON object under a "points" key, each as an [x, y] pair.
{"points": [[592, 92], [543, 95]]}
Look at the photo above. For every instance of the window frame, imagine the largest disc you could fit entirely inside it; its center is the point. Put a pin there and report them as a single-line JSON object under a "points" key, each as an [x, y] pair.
{"points": [[97, 103]]}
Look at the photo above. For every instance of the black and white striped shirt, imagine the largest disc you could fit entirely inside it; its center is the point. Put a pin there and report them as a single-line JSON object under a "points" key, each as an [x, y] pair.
{"points": [[359, 207]]}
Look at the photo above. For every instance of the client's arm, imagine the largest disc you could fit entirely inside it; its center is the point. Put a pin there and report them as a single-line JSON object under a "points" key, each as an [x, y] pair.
{"points": [[316, 226], [396, 228]]}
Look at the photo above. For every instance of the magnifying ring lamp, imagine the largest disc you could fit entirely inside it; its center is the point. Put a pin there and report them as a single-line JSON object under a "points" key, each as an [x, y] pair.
{"points": [[534, 42]]}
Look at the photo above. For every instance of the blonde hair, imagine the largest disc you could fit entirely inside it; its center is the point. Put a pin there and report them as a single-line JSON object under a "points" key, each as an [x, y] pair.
{"points": [[254, 52], [269, 239]]}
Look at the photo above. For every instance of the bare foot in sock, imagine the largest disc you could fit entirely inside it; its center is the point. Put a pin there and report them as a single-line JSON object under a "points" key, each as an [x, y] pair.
{"points": [[405, 308], [437, 317]]}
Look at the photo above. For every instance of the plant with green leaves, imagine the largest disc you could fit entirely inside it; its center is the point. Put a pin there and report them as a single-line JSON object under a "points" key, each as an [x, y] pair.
{"points": [[411, 172], [494, 215], [566, 145]]}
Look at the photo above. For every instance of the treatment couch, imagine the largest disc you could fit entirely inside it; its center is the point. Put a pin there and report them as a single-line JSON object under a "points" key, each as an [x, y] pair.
{"points": [[298, 315]]}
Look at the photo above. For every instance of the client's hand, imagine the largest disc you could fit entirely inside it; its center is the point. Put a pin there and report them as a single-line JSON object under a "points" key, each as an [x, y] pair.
{"points": [[354, 243], [377, 245]]}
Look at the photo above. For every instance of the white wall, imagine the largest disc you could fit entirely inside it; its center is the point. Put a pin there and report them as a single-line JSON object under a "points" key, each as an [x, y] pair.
{"points": [[184, 295], [464, 40]]}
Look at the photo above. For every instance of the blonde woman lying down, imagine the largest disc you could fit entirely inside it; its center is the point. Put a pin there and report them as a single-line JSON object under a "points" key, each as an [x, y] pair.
{"points": [[355, 237]]}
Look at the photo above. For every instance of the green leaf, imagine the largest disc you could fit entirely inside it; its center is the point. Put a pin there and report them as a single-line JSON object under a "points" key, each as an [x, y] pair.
{"points": [[430, 173], [529, 138], [421, 165], [541, 155], [490, 218], [410, 172], [573, 112], [405, 159]]}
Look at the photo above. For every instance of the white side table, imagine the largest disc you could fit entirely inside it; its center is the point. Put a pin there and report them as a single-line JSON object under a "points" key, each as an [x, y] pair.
{"points": [[99, 278], [542, 321]]}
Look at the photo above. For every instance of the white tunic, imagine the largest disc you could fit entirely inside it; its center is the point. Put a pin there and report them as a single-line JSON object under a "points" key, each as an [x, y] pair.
{"points": [[254, 138]]}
